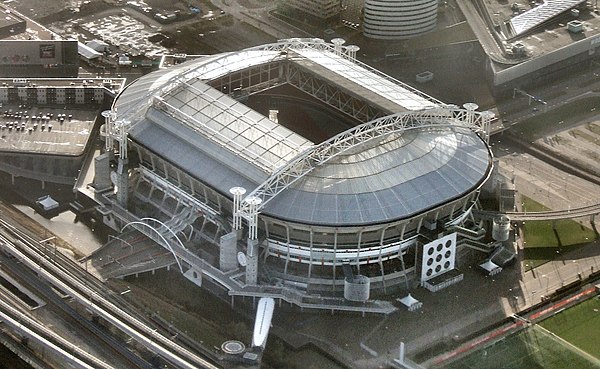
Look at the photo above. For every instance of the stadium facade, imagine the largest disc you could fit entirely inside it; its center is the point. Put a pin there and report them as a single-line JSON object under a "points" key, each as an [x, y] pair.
{"points": [[375, 206]]}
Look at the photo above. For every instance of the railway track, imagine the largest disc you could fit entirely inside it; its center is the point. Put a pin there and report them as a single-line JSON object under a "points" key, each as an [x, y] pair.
{"points": [[71, 316], [65, 275]]}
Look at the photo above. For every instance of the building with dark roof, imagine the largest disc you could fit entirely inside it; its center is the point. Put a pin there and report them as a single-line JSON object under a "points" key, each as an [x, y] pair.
{"points": [[39, 58], [10, 23], [535, 43]]}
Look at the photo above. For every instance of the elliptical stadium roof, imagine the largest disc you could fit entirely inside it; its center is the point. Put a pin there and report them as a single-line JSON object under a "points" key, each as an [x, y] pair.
{"points": [[224, 143]]}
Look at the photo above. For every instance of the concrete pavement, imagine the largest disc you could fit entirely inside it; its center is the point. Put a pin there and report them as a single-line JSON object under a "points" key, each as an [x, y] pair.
{"points": [[261, 18]]}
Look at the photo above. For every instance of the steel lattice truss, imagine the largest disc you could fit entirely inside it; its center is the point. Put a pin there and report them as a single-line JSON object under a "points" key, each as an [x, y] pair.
{"points": [[330, 94], [220, 65], [322, 153]]}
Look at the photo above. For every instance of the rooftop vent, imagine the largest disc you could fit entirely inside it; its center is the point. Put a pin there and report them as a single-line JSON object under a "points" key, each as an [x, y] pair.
{"points": [[575, 26], [518, 49]]}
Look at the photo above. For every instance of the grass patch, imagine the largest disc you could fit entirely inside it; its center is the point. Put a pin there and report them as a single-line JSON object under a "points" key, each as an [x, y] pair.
{"points": [[578, 325], [543, 240], [528, 349], [544, 123]]}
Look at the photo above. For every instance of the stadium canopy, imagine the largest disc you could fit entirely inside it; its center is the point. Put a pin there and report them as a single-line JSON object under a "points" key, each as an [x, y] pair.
{"points": [[421, 161]]}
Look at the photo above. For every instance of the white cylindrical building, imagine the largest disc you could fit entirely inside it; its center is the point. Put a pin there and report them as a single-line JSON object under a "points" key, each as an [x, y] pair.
{"points": [[399, 19], [501, 228]]}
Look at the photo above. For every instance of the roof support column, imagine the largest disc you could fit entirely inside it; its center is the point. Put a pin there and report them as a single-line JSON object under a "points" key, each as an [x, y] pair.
{"points": [[287, 256], [335, 237], [337, 45], [109, 118], [360, 233], [380, 261], [237, 193], [251, 251], [311, 253], [486, 122], [470, 107]]}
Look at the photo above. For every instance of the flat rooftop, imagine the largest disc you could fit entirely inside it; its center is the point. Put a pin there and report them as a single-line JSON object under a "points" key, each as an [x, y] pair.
{"points": [[386, 94], [114, 85], [49, 130], [34, 31], [8, 18], [541, 27]]}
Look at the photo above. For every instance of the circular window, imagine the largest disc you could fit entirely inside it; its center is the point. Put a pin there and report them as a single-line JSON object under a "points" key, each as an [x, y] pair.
{"points": [[447, 265], [429, 272], [439, 247], [438, 268], [438, 258], [429, 261], [448, 243], [430, 251], [448, 254]]}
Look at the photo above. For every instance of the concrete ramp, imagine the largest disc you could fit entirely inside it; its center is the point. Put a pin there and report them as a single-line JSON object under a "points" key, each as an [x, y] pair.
{"points": [[262, 323]]}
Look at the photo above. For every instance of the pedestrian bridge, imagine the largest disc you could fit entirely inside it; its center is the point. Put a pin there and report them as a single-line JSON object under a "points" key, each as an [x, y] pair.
{"points": [[570, 213]]}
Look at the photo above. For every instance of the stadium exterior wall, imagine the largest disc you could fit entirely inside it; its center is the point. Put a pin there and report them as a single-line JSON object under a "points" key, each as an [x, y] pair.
{"points": [[311, 256]]}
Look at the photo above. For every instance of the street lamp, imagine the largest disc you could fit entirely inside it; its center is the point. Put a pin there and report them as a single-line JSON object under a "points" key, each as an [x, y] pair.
{"points": [[578, 270]]}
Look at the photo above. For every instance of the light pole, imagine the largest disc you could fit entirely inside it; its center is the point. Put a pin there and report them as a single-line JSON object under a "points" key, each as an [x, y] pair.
{"points": [[578, 270]]}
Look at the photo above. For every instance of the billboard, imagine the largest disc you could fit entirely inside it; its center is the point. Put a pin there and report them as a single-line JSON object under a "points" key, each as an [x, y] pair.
{"points": [[36, 52], [438, 257], [47, 51]]}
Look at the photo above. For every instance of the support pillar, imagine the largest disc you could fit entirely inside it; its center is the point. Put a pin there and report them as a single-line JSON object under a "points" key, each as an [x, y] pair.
{"points": [[123, 167], [486, 123], [252, 262], [337, 45], [351, 51], [122, 182], [228, 252], [237, 193], [470, 108], [401, 353]]}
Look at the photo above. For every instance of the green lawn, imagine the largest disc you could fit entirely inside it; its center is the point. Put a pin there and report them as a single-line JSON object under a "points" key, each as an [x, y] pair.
{"points": [[543, 242], [578, 325], [528, 349]]}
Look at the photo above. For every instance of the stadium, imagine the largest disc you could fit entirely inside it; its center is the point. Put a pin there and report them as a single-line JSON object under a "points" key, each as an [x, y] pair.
{"points": [[293, 170]]}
